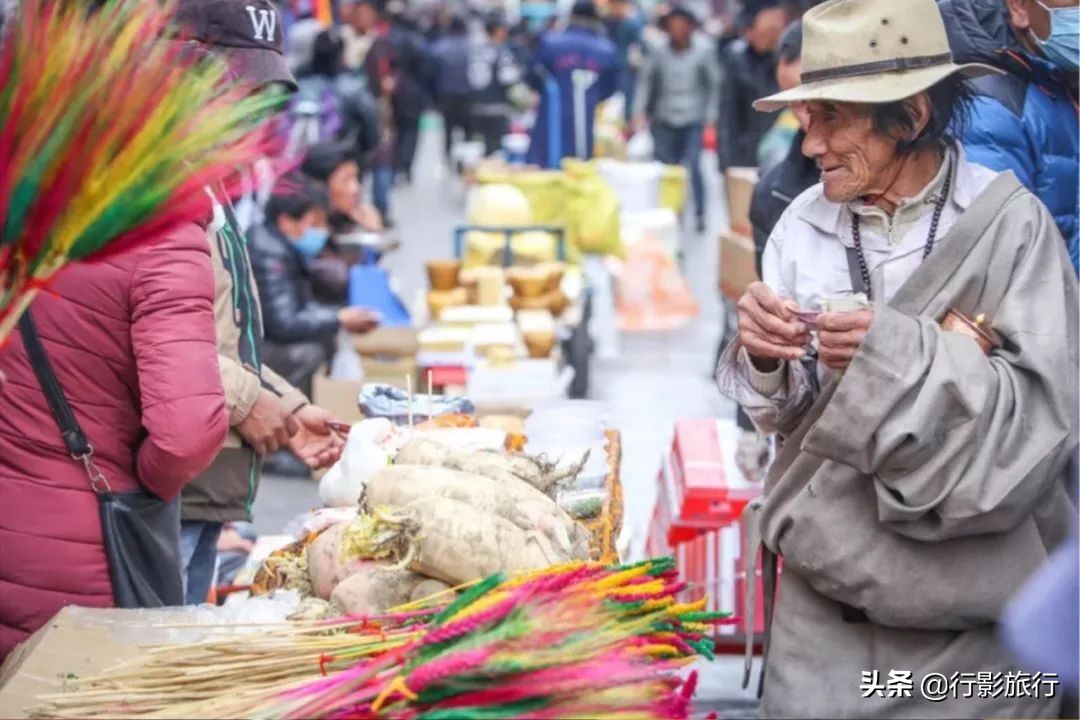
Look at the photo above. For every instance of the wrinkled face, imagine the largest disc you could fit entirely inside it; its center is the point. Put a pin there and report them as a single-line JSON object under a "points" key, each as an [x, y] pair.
{"points": [[855, 160], [344, 188]]}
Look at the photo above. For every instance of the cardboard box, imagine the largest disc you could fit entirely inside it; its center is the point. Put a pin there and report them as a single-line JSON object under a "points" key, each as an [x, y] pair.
{"points": [[738, 267], [740, 182], [339, 397], [395, 341], [79, 642], [392, 371]]}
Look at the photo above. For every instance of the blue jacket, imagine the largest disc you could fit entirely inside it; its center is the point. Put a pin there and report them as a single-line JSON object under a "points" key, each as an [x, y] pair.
{"points": [[1024, 121], [575, 70]]}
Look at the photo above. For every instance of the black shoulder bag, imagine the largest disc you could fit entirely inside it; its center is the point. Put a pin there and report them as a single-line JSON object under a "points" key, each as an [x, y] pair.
{"points": [[141, 532]]}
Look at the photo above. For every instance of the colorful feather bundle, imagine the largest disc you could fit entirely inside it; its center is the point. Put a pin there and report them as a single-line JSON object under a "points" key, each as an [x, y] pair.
{"points": [[579, 640], [109, 133]]}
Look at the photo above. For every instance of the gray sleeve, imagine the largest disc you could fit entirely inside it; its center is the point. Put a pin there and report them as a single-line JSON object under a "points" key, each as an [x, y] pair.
{"points": [[960, 442]]}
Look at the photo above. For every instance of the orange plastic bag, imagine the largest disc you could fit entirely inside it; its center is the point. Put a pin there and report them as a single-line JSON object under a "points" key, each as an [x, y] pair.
{"points": [[651, 293]]}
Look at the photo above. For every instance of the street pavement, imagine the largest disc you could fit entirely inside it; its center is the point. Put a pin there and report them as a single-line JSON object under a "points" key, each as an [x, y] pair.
{"points": [[655, 379]]}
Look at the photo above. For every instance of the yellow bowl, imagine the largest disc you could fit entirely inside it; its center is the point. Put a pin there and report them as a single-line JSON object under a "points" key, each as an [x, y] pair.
{"points": [[527, 282], [443, 274], [539, 344], [439, 300]]}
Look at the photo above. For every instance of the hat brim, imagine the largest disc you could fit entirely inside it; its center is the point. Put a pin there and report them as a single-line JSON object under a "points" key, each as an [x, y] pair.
{"points": [[874, 89], [260, 67]]}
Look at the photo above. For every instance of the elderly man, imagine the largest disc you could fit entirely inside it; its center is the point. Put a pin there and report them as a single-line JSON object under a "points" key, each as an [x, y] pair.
{"points": [[925, 409]]}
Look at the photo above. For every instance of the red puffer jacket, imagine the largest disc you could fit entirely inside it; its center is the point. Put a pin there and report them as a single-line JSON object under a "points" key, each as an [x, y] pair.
{"points": [[133, 344]]}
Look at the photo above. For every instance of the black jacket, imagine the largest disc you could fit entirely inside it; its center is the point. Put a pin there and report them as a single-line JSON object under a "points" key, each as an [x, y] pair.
{"points": [[775, 191], [290, 312], [747, 76]]}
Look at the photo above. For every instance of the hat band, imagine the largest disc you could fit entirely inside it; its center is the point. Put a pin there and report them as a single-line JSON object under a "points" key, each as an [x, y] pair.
{"points": [[875, 68]]}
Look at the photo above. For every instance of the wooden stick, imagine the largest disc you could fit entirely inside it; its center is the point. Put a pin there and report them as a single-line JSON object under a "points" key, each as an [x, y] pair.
{"points": [[430, 396]]}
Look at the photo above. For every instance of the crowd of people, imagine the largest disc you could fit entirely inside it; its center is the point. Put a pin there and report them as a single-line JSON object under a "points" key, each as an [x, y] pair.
{"points": [[919, 477]]}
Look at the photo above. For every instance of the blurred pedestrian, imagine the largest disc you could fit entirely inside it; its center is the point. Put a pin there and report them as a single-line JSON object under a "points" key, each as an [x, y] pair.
{"points": [[677, 99], [926, 416], [574, 70], [794, 173], [1026, 119], [494, 76], [625, 23], [748, 72], [332, 104], [300, 332], [266, 413], [777, 141], [450, 81]]}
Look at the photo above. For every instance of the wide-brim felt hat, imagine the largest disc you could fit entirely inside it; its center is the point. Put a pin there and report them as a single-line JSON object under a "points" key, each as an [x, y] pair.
{"points": [[872, 51]]}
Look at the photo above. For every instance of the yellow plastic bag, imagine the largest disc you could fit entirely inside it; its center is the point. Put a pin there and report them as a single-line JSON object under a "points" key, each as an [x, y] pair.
{"points": [[542, 188], [593, 207], [673, 188]]}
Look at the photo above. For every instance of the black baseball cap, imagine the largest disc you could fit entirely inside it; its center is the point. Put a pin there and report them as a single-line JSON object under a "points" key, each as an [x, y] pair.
{"points": [[246, 33]]}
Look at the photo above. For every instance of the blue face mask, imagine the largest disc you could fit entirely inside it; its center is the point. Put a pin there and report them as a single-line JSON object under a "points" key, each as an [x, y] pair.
{"points": [[312, 242], [1063, 45]]}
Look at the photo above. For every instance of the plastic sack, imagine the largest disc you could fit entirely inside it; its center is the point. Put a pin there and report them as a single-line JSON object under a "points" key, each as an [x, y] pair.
{"points": [[637, 184], [593, 210], [544, 189], [640, 146], [651, 292], [673, 184], [344, 483], [393, 404], [499, 204], [346, 364]]}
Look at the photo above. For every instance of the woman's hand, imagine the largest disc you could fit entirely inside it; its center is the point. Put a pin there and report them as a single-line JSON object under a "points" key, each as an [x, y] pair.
{"points": [[840, 335], [768, 328]]}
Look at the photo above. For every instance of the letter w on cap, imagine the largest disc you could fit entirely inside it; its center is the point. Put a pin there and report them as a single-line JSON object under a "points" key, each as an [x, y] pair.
{"points": [[263, 21]]}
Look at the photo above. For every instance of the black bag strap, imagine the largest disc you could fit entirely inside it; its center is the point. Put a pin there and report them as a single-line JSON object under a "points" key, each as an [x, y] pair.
{"points": [[858, 284], [70, 431]]}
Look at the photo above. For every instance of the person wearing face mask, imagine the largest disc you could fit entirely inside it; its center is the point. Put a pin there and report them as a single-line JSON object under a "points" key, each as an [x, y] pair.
{"points": [[914, 346], [1025, 120], [299, 331]]}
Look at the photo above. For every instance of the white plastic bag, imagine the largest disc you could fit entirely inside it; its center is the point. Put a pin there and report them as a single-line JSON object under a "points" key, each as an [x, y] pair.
{"points": [[344, 483], [640, 146], [346, 364]]}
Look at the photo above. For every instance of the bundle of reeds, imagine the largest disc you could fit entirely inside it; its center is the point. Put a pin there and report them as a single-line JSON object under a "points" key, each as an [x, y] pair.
{"points": [[579, 640]]}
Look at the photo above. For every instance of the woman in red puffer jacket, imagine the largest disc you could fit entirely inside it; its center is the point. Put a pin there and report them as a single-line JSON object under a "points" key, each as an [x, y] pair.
{"points": [[133, 344]]}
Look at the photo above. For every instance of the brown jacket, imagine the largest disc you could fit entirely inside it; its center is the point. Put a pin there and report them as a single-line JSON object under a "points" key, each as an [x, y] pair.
{"points": [[226, 491]]}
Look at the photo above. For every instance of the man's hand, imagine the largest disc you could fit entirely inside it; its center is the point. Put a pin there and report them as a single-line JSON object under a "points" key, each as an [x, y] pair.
{"points": [[358, 320], [268, 426], [314, 443], [768, 328], [840, 334]]}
